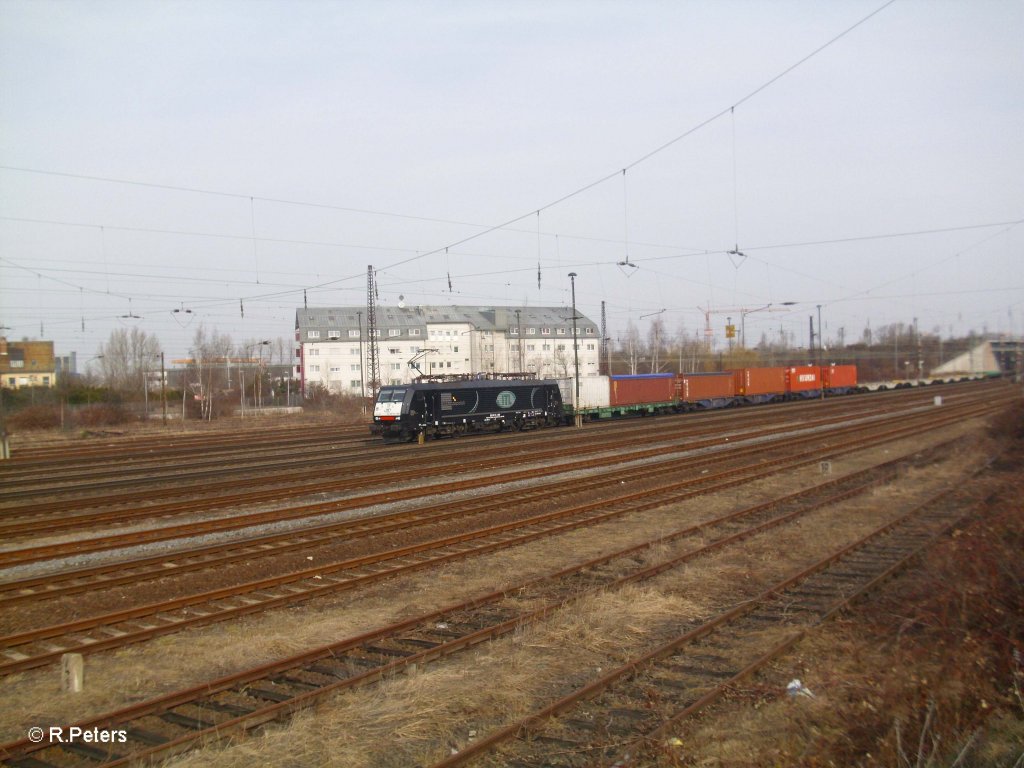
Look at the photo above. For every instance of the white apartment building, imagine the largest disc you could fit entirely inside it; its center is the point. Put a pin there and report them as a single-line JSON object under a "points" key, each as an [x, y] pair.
{"points": [[332, 344]]}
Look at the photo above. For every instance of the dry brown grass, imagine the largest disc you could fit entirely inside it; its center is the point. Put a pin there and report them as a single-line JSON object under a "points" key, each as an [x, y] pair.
{"points": [[930, 674]]}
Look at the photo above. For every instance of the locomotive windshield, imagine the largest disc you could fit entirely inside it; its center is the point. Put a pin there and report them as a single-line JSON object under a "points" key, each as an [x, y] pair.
{"points": [[391, 396]]}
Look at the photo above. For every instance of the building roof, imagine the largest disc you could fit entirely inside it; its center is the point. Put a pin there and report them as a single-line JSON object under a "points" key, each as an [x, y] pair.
{"points": [[481, 318]]}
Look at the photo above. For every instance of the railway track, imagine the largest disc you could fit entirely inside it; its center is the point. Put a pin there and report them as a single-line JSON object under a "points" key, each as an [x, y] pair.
{"points": [[26, 650], [160, 474], [604, 457], [629, 711], [241, 702], [152, 482]]}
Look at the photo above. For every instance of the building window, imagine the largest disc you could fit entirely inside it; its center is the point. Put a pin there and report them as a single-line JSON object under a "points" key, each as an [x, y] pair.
{"points": [[354, 367], [312, 334], [314, 352], [414, 331], [561, 347], [396, 366], [531, 331], [314, 369], [545, 331], [394, 351], [561, 331], [513, 330], [531, 347], [546, 347], [353, 333], [355, 383], [590, 331], [590, 347], [335, 369], [334, 334], [394, 331]]}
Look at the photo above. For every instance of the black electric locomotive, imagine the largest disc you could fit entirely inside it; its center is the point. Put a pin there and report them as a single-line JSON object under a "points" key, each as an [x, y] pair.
{"points": [[438, 409]]}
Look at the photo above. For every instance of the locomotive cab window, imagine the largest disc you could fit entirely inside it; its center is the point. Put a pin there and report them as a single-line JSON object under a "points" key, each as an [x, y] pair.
{"points": [[391, 396]]}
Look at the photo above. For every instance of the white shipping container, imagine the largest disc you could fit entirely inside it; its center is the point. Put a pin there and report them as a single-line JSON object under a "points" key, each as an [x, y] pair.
{"points": [[594, 391]]}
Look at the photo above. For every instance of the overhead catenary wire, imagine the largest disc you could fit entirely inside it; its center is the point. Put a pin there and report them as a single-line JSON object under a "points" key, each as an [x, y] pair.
{"points": [[493, 228]]}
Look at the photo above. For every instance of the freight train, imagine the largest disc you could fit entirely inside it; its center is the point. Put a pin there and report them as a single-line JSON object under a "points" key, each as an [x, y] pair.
{"points": [[610, 396], [449, 408]]}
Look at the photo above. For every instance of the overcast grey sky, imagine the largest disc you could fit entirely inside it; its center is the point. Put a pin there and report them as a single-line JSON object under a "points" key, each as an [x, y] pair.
{"points": [[280, 146]]}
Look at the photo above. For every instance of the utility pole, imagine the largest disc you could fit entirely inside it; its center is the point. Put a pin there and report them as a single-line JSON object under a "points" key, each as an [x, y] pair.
{"points": [[163, 386], [604, 341], [371, 326], [519, 333], [362, 360], [821, 383], [576, 352], [920, 357]]}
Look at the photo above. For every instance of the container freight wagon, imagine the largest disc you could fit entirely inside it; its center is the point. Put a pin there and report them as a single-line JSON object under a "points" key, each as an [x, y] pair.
{"points": [[839, 379], [803, 381], [652, 389], [705, 390], [760, 385]]}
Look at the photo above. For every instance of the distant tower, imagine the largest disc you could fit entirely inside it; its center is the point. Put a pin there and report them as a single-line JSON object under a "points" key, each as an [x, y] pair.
{"points": [[373, 356]]}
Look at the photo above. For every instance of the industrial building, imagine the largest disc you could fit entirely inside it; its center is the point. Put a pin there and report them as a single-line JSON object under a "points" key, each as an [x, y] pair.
{"points": [[332, 344]]}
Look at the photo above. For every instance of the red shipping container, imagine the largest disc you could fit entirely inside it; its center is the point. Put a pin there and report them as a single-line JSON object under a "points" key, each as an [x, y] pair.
{"points": [[803, 378], [751, 382], [695, 387], [840, 376], [645, 388]]}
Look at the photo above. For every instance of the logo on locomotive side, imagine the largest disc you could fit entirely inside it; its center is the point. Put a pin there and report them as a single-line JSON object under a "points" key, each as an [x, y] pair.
{"points": [[505, 399]]}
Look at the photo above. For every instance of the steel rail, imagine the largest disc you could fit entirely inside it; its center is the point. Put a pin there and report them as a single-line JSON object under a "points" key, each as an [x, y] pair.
{"points": [[532, 725], [319, 580], [161, 491], [136, 570], [553, 444], [34, 554], [807, 500]]}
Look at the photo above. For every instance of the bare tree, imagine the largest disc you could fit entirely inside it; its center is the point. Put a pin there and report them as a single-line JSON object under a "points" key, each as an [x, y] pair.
{"points": [[630, 346], [126, 358], [208, 375], [655, 341]]}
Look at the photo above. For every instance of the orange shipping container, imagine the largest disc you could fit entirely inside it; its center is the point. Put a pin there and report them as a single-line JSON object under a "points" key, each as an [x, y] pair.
{"points": [[643, 388], [840, 376], [702, 387], [760, 383], [803, 378]]}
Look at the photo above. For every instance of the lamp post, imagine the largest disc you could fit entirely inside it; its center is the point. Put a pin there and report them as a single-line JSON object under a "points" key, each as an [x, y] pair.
{"points": [[576, 354]]}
